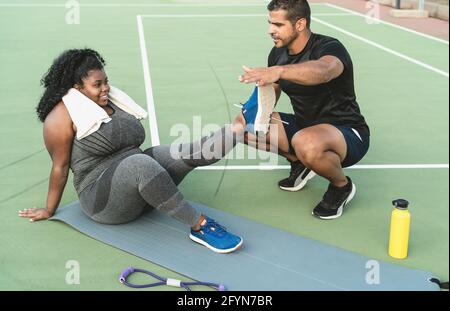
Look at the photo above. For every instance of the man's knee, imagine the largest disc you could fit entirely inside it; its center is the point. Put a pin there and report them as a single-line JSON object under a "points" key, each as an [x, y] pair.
{"points": [[308, 148]]}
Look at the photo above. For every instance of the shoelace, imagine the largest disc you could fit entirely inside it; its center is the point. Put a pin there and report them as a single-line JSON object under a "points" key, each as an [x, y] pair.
{"points": [[296, 168], [330, 196], [213, 227]]}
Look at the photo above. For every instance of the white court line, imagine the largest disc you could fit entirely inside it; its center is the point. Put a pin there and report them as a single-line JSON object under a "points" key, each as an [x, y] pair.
{"points": [[377, 20], [287, 167], [382, 47], [154, 134]]}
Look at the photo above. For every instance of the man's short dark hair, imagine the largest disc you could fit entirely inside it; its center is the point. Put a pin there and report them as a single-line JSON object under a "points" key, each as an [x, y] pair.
{"points": [[296, 9]]}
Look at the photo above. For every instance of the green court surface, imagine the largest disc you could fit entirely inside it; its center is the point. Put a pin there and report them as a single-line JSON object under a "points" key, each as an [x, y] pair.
{"points": [[194, 49]]}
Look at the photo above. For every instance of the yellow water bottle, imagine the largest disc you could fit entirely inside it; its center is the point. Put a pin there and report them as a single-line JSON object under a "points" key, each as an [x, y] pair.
{"points": [[399, 236]]}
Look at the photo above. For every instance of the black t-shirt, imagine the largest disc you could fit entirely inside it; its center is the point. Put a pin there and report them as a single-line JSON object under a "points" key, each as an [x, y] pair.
{"points": [[333, 102]]}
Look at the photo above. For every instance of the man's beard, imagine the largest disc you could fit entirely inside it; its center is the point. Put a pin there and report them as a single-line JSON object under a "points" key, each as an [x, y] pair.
{"points": [[291, 39]]}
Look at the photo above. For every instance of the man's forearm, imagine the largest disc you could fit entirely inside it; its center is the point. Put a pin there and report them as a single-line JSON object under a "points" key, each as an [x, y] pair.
{"points": [[308, 73]]}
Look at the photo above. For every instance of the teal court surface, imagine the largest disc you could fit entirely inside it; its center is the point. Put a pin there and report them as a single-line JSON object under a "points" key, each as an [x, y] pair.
{"points": [[181, 61]]}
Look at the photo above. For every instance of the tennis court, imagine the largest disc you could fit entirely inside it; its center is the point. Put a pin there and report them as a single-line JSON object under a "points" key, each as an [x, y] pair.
{"points": [[181, 60]]}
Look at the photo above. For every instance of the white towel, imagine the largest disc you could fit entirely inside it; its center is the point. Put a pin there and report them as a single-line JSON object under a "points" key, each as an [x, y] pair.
{"points": [[126, 103], [88, 116]]}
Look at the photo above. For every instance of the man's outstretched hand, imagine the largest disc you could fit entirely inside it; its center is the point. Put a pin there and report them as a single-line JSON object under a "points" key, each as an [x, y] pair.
{"points": [[261, 76]]}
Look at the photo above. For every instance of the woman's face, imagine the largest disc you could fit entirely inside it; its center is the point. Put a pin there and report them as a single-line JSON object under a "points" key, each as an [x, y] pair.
{"points": [[96, 87]]}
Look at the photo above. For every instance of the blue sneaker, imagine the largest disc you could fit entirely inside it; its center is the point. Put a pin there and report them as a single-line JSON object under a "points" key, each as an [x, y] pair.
{"points": [[216, 238], [258, 109]]}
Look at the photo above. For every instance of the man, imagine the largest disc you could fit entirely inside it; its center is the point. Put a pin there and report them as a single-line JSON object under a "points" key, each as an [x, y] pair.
{"points": [[327, 131]]}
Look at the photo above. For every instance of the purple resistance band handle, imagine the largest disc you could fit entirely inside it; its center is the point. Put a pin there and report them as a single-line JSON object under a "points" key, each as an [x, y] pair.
{"points": [[125, 273]]}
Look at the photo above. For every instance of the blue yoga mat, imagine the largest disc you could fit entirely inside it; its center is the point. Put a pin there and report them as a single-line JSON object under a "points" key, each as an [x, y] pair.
{"points": [[270, 259]]}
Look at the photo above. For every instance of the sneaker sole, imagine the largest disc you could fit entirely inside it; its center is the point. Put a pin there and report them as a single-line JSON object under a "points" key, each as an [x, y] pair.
{"points": [[217, 250], [341, 208], [266, 104], [301, 185]]}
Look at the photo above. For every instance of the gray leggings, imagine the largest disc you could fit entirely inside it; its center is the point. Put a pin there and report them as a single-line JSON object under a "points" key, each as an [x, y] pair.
{"points": [[149, 180]]}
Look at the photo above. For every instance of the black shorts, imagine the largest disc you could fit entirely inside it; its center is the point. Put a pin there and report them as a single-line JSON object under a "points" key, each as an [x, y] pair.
{"points": [[357, 141]]}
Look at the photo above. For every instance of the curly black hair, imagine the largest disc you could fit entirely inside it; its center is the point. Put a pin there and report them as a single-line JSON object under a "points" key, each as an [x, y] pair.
{"points": [[68, 69]]}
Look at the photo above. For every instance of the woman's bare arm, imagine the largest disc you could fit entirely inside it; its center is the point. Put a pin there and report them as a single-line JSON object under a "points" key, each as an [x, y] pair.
{"points": [[58, 136]]}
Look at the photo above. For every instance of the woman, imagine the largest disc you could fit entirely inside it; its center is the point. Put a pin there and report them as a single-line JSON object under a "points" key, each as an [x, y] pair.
{"points": [[115, 180]]}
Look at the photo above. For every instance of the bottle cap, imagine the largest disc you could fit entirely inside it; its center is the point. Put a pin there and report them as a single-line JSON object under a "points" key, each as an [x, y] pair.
{"points": [[400, 204]]}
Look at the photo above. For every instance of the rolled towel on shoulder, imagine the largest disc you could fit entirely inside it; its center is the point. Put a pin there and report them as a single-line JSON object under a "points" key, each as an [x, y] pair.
{"points": [[88, 116], [126, 103]]}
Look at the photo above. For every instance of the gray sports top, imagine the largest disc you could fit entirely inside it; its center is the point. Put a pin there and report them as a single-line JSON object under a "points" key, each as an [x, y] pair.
{"points": [[112, 142]]}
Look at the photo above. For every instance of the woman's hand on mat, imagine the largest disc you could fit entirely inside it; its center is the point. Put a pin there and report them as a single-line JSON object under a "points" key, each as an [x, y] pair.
{"points": [[261, 76], [35, 213]]}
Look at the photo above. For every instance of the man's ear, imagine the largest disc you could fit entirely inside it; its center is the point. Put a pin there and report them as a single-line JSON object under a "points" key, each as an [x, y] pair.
{"points": [[77, 86], [300, 25]]}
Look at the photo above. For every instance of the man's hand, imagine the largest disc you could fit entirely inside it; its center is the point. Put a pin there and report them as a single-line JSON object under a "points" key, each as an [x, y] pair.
{"points": [[35, 213], [262, 76]]}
